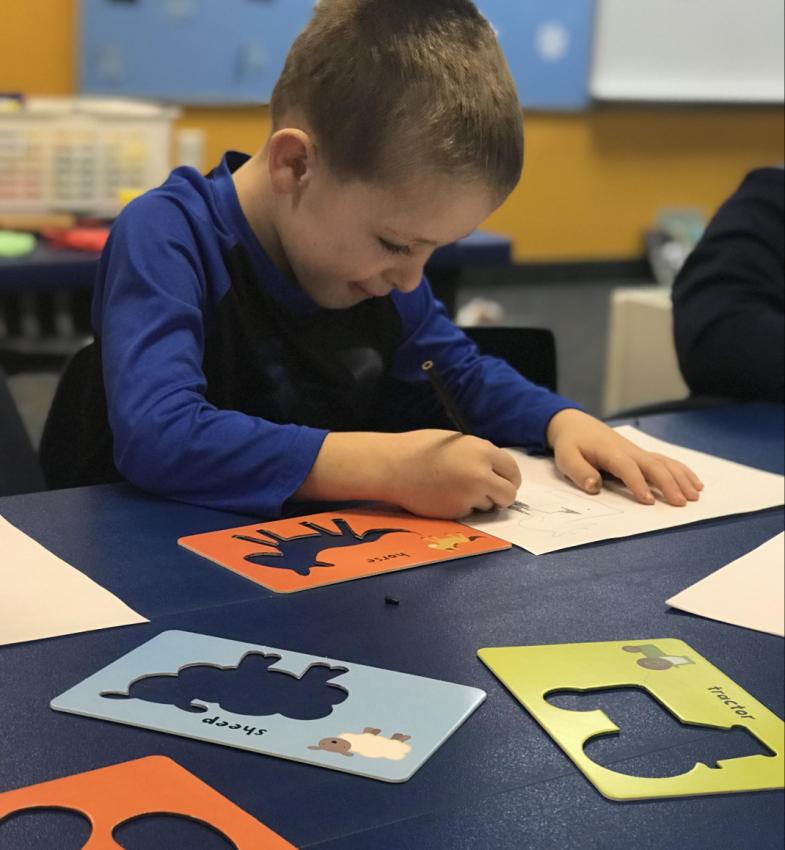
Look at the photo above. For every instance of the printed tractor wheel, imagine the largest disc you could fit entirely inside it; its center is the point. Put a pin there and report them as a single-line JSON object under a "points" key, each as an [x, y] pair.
{"points": [[631, 648], [655, 663]]}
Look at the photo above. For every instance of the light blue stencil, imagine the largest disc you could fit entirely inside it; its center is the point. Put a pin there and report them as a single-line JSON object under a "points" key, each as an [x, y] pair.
{"points": [[387, 727]]}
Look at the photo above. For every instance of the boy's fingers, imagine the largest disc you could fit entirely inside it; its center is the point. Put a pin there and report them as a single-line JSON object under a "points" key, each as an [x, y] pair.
{"points": [[575, 466], [694, 479], [484, 505], [504, 465], [659, 474], [503, 492], [628, 471], [686, 481]]}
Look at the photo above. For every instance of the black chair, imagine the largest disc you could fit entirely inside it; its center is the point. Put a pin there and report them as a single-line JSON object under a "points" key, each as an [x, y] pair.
{"points": [[41, 328], [76, 445], [19, 469], [530, 351]]}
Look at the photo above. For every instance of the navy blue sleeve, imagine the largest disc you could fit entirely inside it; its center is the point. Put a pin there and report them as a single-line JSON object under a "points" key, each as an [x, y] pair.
{"points": [[729, 299], [501, 405], [150, 313]]}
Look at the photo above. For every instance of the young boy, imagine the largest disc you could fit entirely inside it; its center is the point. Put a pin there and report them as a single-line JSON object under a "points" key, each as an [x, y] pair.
{"points": [[260, 332]]}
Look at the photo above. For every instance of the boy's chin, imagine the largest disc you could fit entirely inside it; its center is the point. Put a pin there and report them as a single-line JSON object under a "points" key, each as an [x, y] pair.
{"points": [[341, 297]]}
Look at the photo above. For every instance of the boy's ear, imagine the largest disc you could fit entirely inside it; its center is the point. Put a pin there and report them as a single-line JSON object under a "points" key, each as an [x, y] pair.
{"points": [[291, 159]]}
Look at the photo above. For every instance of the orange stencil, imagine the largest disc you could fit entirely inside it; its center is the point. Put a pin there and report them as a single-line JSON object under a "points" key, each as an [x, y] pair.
{"points": [[114, 795], [311, 551]]}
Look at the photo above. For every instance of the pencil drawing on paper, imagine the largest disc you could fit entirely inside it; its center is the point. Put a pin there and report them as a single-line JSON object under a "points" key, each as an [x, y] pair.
{"points": [[562, 514]]}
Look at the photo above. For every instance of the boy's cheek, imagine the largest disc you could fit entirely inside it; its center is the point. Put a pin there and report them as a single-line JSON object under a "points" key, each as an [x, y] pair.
{"points": [[317, 271], [328, 292]]}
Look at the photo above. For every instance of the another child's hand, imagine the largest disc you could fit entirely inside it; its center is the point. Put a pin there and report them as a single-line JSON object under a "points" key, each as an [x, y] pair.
{"points": [[584, 446], [446, 475]]}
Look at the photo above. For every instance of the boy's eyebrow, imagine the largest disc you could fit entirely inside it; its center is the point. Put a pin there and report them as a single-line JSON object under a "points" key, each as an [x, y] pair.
{"points": [[409, 239]]}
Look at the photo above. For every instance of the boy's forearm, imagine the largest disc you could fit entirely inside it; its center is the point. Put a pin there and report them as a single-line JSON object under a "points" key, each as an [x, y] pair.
{"points": [[353, 466]]}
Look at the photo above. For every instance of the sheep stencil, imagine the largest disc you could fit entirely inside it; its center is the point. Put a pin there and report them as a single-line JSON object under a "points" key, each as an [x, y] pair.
{"points": [[370, 744], [301, 554], [251, 689]]}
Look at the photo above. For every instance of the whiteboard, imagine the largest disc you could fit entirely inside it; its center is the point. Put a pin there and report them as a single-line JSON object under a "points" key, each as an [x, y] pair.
{"points": [[689, 50]]}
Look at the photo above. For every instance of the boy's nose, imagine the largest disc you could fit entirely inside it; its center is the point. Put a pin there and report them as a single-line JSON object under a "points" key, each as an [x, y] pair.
{"points": [[406, 280]]}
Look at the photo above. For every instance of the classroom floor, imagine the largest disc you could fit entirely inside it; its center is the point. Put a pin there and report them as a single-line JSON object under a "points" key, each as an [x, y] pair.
{"points": [[576, 312]]}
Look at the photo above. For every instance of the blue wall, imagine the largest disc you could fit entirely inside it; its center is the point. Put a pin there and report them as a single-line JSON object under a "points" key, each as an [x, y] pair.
{"points": [[548, 46], [232, 51]]}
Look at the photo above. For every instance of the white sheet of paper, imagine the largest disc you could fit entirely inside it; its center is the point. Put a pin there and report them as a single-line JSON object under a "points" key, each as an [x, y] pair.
{"points": [[552, 514], [42, 596], [749, 592]]}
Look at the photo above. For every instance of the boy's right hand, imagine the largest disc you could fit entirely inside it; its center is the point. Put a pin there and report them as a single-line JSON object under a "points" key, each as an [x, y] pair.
{"points": [[446, 475], [437, 474]]}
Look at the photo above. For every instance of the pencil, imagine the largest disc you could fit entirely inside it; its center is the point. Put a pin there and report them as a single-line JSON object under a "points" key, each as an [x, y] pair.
{"points": [[448, 402]]}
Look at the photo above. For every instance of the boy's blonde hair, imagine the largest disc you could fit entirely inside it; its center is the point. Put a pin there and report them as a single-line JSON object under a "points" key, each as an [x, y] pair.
{"points": [[397, 88]]}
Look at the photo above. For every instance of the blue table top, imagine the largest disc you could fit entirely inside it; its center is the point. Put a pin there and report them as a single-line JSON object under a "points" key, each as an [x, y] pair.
{"points": [[499, 781], [127, 541]]}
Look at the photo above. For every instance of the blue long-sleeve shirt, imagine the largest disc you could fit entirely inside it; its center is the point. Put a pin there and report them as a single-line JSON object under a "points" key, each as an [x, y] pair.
{"points": [[220, 378]]}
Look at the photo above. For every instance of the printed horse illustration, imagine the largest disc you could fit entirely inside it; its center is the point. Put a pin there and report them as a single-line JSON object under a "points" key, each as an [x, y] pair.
{"points": [[301, 554]]}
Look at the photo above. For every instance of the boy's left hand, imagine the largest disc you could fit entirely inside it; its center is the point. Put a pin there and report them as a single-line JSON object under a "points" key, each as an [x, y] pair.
{"points": [[583, 446]]}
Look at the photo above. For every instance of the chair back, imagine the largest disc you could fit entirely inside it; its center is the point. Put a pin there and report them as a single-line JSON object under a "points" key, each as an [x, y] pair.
{"points": [[530, 351], [76, 446], [19, 469]]}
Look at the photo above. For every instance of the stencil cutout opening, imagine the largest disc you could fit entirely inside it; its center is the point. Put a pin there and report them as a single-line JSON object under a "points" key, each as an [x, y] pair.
{"points": [[652, 742], [167, 830], [45, 829], [304, 553], [252, 689]]}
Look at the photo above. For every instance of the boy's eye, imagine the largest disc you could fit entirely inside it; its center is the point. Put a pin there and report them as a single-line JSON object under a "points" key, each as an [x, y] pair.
{"points": [[392, 248]]}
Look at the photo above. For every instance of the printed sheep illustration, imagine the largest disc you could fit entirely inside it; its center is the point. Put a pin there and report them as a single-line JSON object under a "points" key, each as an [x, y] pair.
{"points": [[371, 744]]}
